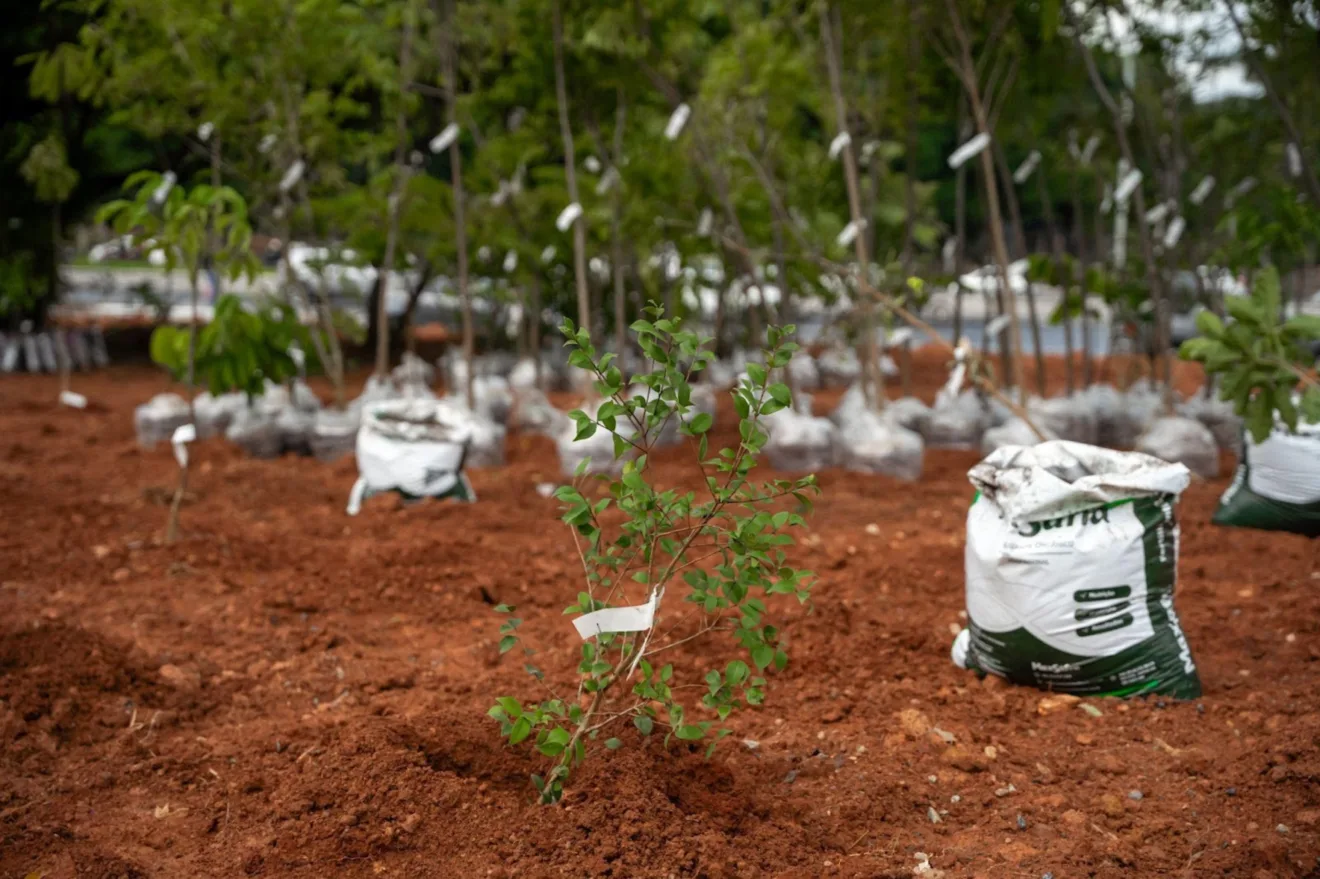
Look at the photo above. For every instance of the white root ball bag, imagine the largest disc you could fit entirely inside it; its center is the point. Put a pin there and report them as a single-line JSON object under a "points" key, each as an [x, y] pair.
{"points": [[415, 447], [874, 443], [157, 419], [1071, 561], [1182, 441], [1277, 485]]}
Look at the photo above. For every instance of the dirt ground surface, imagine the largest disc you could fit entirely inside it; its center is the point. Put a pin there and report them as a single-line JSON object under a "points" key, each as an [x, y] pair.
{"points": [[290, 692]]}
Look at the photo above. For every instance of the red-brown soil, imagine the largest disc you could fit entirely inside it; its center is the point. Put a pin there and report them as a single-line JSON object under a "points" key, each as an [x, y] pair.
{"points": [[290, 692]]}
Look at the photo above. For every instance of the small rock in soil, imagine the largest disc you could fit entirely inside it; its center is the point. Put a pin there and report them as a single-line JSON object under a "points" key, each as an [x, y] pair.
{"points": [[1021, 823], [960, 757], [1282, 828], [913, 722], [1005, 791], [955, 799], [1111, 806], [177, 677], [1047, 876], [1057, 702], [1232, 791], [751, 744], [791, 776], [933, 815], [1134, 795]]}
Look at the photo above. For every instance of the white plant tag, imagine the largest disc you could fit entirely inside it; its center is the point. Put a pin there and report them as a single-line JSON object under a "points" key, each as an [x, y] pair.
{"points": [[1127, 186], [968, 150], [677, 120], [704, 222], [548, 254], [1088, 151], [899, 337], [848, 234], [1027, 168], [510, 261], [267, 144], [996, 326], [637, 618], [445, 139], [608, 180], [841, 140], [568, 216], [183, 434], [1294, 160], [205, 130], [1157, 213], [592, 164], [355, 497], [76, 401], [1202, 190], [1174, 232], [949, 392], [298, 357], [162, 191], [292, 176]]}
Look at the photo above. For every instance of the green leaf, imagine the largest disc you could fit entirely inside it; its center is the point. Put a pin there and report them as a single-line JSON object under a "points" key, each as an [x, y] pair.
{"points": [[781, 394], [1304, 325], [756, 372], [507, 643], [512, 707], [763, 655], [644, 723], [522, 728], [613, 744], [1209, 324], [690, 732], [701, 422]]}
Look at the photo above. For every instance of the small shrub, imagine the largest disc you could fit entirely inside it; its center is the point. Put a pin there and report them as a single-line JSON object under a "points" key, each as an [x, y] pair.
{"points": [[720, 550]]}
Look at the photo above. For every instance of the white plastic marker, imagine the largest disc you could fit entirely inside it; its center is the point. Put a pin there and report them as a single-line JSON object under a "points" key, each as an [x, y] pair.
{"points": [[568, 216], [162, 191], [205, 130], [1174, 232], [996, 326], [1294, 160], [355, 497], [841, 140], [293, 175], [949, 392], [705, 222], [1202, 190], [548, 254], [1120, 234], [848, 234], [445, 139], [76, 401], [608, 180], [1088, 151], [637, 618], [183, 434], [299, 359], [1245, 185], [1157, 213], [677, 120], [510, 261], [1127, 186], [592, 164], [1027, 168], [267, 144], [972, 148], [1107, 200], [948, 252], [899, 337]]}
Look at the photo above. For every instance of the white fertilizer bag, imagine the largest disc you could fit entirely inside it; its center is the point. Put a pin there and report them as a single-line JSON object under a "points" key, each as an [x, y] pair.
{"points": [[415, 447], [1277, 486], [1072, 556], [157, 419]]}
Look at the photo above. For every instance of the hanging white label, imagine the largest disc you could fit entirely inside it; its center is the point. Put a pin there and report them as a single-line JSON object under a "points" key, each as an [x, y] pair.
{"points": [[297, 356], [1294, 160], [972, 148], [1174, 232], [267, 144], [841, 140], [183, 434], [704, 222], [162, 191], [677, 120], [1157, 213], [1088, 151], [292, 176], [1202, 190], [592, 164], [1244, 186], [1127, 186], [568, 216], [637, 618], [548, 254], [510, 261], [949, 392], [1027, 168], [607, 180], [69, 398], [204, 131], [900, 336], [996, 326], [445, 139], [848, 234], [355, 497]]}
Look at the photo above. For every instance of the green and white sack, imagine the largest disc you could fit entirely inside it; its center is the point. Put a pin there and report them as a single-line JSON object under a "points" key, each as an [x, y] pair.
{"points": [[1277, 486], [1072, 556]]}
